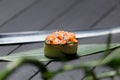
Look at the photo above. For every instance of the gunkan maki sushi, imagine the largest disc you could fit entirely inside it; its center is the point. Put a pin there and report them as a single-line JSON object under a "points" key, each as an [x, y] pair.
{"points": [[60, 43]]}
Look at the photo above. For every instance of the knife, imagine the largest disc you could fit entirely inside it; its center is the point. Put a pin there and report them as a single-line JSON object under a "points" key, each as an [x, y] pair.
{"points": [[39, 36]]}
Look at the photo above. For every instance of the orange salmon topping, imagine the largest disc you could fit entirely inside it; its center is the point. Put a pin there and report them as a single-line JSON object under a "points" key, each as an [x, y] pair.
{"points": [[61, 37]]}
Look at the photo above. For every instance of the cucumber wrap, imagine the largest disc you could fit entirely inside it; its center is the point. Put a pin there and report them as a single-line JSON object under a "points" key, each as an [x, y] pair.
{"points": [[55, 51]]}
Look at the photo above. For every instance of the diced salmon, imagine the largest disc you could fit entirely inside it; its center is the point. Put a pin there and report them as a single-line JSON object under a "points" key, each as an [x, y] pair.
{"points": [[61, 37]]}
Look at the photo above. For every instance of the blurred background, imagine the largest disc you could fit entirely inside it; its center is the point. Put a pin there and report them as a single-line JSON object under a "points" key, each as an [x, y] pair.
{"points": [[35, 15]]}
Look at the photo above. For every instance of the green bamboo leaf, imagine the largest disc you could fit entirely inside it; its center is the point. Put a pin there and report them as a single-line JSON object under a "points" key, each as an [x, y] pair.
{"points": [[83, 49], [88, 49]]}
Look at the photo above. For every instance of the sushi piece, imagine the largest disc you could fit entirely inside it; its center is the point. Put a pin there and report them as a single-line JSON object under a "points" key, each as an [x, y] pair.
{"points": [[60, 43]]}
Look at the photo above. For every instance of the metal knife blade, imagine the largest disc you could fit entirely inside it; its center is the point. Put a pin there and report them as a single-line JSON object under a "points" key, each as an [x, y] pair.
{"points": [[39, 36]]}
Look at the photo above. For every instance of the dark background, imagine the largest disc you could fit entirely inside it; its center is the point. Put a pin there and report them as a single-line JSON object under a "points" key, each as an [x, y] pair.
{"points": [[32, 15]]}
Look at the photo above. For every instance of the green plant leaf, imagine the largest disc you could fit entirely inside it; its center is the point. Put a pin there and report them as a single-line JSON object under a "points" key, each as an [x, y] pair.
{"points": [[88, 49], [83, 49]]}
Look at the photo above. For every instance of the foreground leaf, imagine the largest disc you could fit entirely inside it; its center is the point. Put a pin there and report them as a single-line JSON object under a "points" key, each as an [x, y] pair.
{"points": [[83, 49]]}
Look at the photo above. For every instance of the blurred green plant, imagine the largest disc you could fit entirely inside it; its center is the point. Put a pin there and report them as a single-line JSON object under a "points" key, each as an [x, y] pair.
{"points": [[110, 59]]}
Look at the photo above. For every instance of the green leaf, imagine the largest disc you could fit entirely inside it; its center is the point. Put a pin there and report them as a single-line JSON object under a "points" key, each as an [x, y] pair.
{"points": [[83, 49], [88, 49]]}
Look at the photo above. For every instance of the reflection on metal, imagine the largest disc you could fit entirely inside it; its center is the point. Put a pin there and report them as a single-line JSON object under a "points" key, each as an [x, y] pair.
{"points": [[39, 36]]}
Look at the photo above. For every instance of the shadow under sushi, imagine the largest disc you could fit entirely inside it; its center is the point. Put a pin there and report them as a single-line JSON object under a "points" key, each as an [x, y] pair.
{"points": [[64, 57]]}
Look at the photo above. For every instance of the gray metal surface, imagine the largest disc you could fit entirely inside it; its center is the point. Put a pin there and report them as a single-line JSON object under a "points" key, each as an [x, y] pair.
{"points": [[39, 36]]}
